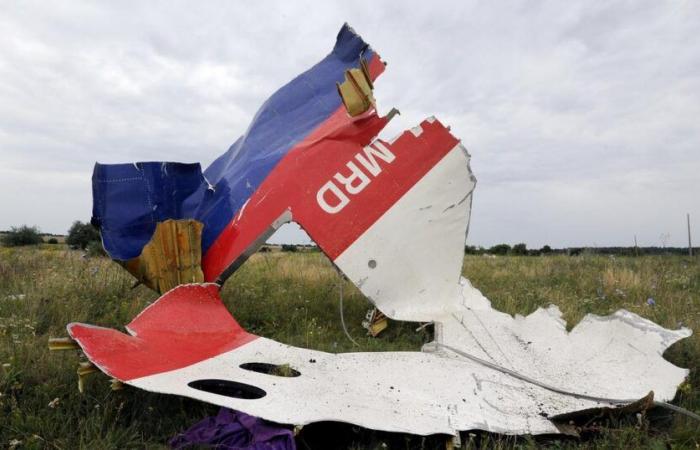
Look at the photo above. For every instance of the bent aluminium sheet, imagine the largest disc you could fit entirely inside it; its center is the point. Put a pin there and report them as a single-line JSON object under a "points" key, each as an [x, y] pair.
{"points": [[188, 344], [392, 215]]}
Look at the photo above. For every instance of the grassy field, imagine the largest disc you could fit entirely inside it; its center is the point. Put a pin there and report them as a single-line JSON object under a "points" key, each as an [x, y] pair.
{"points": [[293, 298]]}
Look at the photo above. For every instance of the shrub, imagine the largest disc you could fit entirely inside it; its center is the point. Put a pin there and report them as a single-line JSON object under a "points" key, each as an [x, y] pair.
{"points": [[289, 248], [94, 248], [471, 250], [24, 235], [546, 249], [81, 235], [500, 249], [53, 240], [519, 249]]}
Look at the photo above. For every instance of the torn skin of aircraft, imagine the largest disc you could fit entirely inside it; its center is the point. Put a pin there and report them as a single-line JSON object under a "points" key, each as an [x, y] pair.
{"points": [[297, 141], [393, 216]]}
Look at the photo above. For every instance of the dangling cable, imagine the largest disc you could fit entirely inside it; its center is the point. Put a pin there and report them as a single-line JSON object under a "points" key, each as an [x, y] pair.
{"points": [[342, 316]]}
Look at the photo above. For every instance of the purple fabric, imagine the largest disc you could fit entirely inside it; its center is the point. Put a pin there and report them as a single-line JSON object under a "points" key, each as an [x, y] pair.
{"points": [[234, 430]]}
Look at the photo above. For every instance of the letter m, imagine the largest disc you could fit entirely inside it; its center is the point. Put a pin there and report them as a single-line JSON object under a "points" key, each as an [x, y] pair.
{"points": [[371, 154]]}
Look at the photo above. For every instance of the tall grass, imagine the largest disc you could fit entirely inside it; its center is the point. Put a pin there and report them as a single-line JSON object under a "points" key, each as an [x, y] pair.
{"points": [[293, 298]]}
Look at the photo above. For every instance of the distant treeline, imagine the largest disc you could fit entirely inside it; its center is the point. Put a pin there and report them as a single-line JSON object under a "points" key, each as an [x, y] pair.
{"points": [[522, 250], [86, 237], [12, 230]]}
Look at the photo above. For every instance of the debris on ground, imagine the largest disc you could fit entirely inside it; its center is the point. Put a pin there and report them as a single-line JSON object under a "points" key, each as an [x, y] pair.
{"points": [[392, 215]]}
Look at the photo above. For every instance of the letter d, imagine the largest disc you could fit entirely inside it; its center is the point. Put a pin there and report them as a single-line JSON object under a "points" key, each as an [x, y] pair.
{"points": [[342, 199]]}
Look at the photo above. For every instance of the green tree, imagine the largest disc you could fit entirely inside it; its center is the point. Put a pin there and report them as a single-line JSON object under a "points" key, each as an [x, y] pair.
{"points": [[24, 235], [471, 250], [546, 249], [94, 248], [81, 234], [500, 249], [519, 249]]}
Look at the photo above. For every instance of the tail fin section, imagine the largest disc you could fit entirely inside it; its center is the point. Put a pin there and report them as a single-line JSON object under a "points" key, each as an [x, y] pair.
{"points": [[186, 325]]}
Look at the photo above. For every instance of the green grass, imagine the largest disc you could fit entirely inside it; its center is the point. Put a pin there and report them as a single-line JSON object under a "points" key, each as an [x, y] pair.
{"points": [[293, 298]]}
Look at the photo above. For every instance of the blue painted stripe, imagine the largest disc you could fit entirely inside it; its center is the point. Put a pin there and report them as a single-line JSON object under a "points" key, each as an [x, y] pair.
{"points": [[123, 193], [129, 199]]}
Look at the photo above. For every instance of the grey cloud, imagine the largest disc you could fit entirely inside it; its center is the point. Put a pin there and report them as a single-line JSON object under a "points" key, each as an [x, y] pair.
{"points": [[581, 117]]}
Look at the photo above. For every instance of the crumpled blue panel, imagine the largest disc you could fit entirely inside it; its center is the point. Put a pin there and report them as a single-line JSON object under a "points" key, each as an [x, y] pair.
{"points": [[125, 197], [130, 199]]}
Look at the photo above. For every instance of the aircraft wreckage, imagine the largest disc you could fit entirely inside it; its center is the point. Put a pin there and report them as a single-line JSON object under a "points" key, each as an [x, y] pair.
{"points": [[392, 215]]}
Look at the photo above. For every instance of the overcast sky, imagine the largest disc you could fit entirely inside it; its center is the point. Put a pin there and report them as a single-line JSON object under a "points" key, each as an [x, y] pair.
{"points": [[583, 119]]}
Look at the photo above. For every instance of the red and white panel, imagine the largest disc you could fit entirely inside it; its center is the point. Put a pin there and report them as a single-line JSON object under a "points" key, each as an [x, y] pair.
{"points": [[409, 261], [187, 344], [393, 216]]}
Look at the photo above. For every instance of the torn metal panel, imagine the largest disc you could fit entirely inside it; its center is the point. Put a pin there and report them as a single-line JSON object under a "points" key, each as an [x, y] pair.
{"points": [[375, 322], [392, 215], [172, 257], [130, 199], [616, 356], [408, 263], [187, 344], [348, 186]]}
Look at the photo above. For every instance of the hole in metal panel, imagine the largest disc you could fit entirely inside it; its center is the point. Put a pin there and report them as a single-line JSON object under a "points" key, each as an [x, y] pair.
{"points": [[279, 370], [372, 264], [228, 388]]}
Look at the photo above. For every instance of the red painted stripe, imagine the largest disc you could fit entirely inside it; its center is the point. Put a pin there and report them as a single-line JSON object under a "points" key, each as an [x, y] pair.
{"points": [[186, 325], [414, 157], [238, 234], [294, 183], [297, 179]]}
